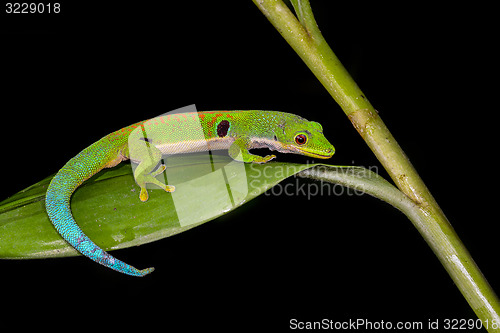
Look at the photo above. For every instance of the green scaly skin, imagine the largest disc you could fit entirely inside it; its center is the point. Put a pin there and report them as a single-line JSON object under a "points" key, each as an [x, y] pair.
{"points": [[145, 143]]}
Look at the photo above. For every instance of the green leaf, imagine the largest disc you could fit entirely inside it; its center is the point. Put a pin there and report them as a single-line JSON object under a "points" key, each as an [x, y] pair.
{"points": [[108, 209]]}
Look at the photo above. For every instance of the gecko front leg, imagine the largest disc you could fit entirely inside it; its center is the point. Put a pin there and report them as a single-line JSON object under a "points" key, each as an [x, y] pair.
{"points": [[239, 152]]}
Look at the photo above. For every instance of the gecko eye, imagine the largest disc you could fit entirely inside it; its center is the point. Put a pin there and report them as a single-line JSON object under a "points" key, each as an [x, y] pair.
{"points": [[300, 139]]}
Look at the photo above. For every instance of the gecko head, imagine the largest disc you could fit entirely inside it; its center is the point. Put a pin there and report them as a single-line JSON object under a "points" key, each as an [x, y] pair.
{"points": [[304, 137]]}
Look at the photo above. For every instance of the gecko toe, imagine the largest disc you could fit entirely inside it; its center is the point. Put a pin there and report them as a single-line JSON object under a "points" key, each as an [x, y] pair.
{"points": [[160, 169], [265, 159], [144, 195]]}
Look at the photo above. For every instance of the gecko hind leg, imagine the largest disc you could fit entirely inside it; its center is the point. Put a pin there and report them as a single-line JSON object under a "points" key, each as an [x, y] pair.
{"points": [[144, 176], [146, 171]]}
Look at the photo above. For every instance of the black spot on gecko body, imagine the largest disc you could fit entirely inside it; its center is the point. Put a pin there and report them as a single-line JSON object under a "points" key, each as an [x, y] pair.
{"points": [[222, 128], [146, 139]]}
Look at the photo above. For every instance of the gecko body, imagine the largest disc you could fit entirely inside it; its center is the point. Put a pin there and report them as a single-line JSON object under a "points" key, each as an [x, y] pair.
{"points": [[147, 141]]}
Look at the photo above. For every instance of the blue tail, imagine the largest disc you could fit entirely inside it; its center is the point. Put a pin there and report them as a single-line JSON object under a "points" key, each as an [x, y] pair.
{"points": [[57, 203]]}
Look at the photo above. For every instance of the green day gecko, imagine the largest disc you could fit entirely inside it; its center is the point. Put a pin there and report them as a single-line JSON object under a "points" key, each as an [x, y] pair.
{"points": [[235, 131]]}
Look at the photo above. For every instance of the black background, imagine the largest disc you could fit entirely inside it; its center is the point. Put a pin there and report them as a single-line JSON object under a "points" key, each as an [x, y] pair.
{"points": [[71, 78]]}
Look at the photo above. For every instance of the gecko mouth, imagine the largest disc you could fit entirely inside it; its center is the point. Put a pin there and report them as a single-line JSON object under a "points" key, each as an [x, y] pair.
{"points": [[323, 155]]}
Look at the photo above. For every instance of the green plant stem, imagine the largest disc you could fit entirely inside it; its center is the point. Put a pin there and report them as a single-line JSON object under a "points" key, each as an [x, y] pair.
{"points": [[306, 39], [443, 241]]}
